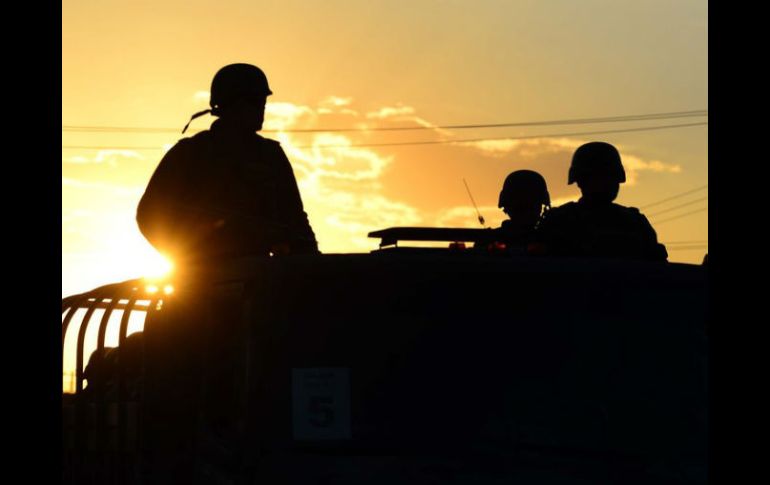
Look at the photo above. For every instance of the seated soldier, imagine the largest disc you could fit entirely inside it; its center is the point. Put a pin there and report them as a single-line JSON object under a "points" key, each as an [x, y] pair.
{"points": [[105, 364], [524, 199], [594, 225]]}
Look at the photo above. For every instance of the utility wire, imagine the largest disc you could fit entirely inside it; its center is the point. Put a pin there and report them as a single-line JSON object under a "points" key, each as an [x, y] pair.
{"points": [[688, 248], [477, 140], [685, 242], [434, 142], [677, 207], [674, 197], [574, 121], [679, 216]]}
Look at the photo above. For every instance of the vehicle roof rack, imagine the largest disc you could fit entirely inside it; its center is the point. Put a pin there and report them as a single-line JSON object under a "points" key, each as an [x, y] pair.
{"points": [[392, 235]]}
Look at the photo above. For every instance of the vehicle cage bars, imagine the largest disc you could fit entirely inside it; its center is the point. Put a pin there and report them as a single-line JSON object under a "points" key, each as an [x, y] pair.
{"points": [[90, 415]]}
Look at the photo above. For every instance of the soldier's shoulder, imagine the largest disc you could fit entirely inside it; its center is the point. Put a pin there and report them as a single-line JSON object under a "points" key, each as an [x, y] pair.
{"points": [[632, 214], [557, 216], [194, 141], [629, 209], [180, 150], [626, 210], [193, 146], [268, 141], [567, 208], [270, 148]]}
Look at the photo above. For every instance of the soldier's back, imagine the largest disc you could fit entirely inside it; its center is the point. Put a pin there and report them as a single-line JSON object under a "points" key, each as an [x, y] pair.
{"points": [[599, 230]]}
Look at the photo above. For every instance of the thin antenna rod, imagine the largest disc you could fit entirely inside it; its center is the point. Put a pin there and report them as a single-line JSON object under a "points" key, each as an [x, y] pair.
{"points": [[481, 218]]}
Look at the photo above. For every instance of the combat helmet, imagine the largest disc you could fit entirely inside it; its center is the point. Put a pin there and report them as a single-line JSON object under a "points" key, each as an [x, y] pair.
{"points": [[596, 157], [525, 182]]}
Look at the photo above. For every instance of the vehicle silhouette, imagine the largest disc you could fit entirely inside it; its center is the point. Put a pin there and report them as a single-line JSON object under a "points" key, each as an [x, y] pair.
{"points": [[403, 365]]}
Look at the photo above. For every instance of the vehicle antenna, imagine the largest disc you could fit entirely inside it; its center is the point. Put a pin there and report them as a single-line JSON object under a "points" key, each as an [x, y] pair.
{"points": [[481, 218]]}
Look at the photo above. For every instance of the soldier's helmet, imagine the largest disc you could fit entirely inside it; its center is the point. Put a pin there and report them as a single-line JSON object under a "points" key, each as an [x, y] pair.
{"points": [[236, 81], [524, 184], [594, 158]]}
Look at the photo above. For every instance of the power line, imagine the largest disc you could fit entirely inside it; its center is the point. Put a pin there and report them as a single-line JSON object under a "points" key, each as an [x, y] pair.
{"points": [[477, 140], [674, 197], [574, 121], [434, 142], [688, 248], [677, 206], [93, 147], [679, 216], [684, 242]]}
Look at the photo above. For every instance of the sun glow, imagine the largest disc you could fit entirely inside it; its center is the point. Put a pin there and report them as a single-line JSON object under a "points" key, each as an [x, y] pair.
{"points": [[136, 257], [157, 266], [122, 257]]}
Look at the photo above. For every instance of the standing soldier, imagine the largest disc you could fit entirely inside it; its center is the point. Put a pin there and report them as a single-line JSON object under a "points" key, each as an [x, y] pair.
{"points": [[227, 192], [594, 225]]}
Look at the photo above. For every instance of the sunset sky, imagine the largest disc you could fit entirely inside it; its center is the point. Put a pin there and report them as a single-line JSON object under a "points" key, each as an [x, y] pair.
{"points": [[133, 72]]}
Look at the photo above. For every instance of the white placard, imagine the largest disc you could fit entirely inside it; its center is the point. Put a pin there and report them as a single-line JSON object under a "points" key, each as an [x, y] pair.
{"points": [[321, 403]]}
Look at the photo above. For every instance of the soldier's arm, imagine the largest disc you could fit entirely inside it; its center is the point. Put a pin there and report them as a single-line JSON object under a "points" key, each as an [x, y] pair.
{"points": [[167, 215], [300, 235], [651, 248]]}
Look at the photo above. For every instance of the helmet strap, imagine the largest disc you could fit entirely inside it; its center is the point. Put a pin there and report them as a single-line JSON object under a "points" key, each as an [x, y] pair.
{"points": [[196, 115]]}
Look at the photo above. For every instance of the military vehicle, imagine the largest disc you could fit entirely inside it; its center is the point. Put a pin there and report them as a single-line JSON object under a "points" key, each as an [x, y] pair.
{"points": [[404, 365]]}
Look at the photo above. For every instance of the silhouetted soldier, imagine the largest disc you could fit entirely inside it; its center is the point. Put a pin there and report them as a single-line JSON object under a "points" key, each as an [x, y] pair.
{"points": [[524, 199], [594, 225], [227, 192]]}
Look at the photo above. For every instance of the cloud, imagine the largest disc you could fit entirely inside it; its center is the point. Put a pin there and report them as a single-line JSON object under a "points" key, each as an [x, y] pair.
{"points": [[332, 105], [341, 163], [633, 164], [335, 101], [401, 112], [367, 211], [72, 215], [525, 147], [282, 116], [428, 124], [563, 200], [494, 147], [341, 187], [318, 163], [78, 159], [114, 189], [353, 216], [536, 148], [391, 112], [466, 216], [110, 157], [200, 99]]}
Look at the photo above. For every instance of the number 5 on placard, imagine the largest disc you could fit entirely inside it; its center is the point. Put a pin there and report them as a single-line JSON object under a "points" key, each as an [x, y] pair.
{"points": [[321, 411], [321, 403]]}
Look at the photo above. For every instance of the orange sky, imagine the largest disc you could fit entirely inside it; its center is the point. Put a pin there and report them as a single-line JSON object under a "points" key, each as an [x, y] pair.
{"points": [[340, 64]]}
